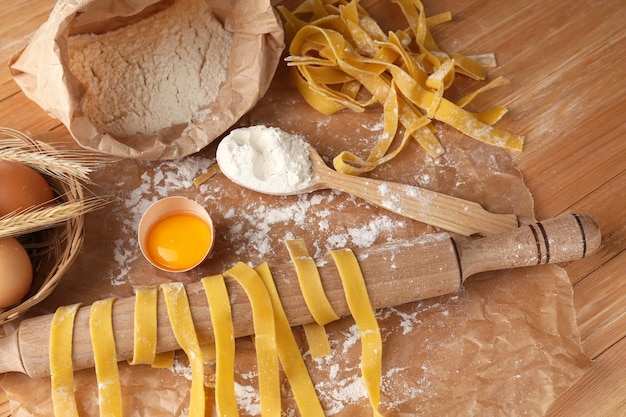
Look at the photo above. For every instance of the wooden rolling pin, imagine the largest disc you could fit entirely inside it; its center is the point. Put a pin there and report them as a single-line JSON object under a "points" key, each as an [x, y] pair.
{"points": [[395, 274]]}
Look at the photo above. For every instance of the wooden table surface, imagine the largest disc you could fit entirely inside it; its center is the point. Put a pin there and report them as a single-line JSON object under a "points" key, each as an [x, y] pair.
{"points": [[566, 61]]}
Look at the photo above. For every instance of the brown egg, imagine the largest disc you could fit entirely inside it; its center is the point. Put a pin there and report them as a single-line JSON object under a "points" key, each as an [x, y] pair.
{"points": [[16, 272], [21, 188]]}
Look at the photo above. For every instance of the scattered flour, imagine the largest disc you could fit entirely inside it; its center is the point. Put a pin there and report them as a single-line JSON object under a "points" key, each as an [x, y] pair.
{"points": [[181, 368], [408, 321], [152, 74], [348, 390], [248, 399], [367, 234], [251, 227]]}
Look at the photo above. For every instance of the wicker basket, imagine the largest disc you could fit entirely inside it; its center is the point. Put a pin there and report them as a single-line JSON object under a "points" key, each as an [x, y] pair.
{"points": [[52, 244]]}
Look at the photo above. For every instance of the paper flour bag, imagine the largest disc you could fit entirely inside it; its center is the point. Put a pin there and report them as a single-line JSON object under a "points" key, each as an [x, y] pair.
{"points": [[150, 80]]}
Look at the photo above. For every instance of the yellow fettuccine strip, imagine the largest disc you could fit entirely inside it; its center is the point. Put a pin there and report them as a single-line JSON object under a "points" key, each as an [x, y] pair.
{"points": [[209, 353], [273, 340], [61, 368], [289, 354], [363, 314], [145, 330], [163, 360], [317, 339], [145, 325], [105, 356], [310, 282], [210, 173], [185, 333], [337, 49], [314, 297], [265, 337], [222, 321]]}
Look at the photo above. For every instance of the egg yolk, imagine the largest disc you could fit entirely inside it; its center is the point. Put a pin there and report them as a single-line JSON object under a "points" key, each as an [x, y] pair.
{"points": [[178, 242]]}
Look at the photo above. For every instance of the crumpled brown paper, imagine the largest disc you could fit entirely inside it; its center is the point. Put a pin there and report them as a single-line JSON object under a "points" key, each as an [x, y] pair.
{"points": [[41, 69], [506, 344]]}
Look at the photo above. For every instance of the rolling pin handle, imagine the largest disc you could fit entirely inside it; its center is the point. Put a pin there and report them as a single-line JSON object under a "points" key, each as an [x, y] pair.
{"points": [[11, 359], [561, 239]]}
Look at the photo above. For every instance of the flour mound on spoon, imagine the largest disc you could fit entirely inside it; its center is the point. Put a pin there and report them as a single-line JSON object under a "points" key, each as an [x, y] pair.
{"points": [[266, 159]]}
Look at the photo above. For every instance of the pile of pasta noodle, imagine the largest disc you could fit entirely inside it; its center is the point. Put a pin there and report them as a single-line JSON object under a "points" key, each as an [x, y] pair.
{"points": [[274, 340], [342, 59]]}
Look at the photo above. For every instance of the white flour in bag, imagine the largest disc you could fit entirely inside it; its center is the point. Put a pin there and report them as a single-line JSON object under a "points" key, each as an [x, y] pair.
{"points": [[152, 74]]}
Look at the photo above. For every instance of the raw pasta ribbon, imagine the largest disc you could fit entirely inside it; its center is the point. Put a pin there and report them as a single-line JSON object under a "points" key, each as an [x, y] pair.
{"points": [[314, 297], [289, 353], [275, 343], [145, 325], [342, 59], [363, 314], [181, 320], [264, 336], [222, 322], [103, 343], [61, 368]]}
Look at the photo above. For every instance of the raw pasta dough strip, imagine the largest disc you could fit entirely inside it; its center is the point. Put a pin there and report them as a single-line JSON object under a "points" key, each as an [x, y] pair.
{"points": [[210, 173], [363, 314], [444, 110], [208, 352], [145, 330], [105, 357], [317, 339], [289, 354], [145, 325], [348, 21], [310, 282], [61, 368], [222, 321], [265, 337], [414, 13], [185, 333], [314, 297], [163, 360], [418, 128]]}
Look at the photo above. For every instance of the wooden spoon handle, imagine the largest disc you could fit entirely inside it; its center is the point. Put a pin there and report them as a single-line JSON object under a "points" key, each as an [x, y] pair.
{"points": [[441, 210], [395, 273]]}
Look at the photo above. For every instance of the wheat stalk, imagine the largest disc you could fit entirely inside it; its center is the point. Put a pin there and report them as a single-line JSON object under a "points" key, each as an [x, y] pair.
{"points": [[43, 218], [46, 159], [66, 168]]}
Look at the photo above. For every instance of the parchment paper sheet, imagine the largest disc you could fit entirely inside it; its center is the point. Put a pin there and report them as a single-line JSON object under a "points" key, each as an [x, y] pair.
{"points": [[41, 69], [507, 344]]}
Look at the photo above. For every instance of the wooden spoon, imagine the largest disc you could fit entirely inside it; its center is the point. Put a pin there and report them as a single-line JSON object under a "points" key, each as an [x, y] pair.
{"points": [[446, 212], [430, 207]]}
